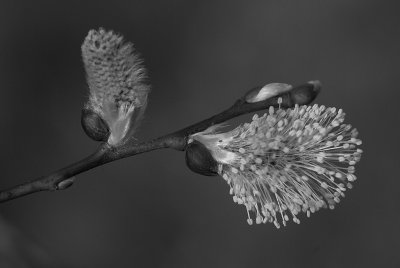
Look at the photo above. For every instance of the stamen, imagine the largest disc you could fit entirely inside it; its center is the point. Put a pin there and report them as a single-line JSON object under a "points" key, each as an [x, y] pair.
{"points": [[289, 161]]}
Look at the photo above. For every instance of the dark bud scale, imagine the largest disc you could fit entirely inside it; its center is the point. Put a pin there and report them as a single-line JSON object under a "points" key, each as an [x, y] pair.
{"points": [[94, 126], [200, 160]]}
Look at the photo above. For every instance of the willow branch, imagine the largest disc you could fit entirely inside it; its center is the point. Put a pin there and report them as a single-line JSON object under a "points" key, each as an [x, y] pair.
{"points": [[65, 177]]}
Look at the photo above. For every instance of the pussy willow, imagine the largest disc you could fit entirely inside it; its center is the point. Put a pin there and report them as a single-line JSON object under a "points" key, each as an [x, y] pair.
{"points": [[116, 79], [286, 161]]}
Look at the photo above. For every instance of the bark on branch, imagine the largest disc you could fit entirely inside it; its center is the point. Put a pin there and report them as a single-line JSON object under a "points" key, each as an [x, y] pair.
{"points": [[65, 177]]}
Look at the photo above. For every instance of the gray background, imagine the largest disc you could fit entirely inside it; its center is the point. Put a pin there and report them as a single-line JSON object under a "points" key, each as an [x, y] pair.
{"points": [[150, 210]]}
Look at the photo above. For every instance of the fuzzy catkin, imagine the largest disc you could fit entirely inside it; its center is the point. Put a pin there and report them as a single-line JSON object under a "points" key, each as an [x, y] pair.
{"points": [[287, 161], [117, 82], [114, 69]]}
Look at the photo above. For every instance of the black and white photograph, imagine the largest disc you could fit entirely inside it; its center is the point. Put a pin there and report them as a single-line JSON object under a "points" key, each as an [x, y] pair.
{"points": [[199, 134]]}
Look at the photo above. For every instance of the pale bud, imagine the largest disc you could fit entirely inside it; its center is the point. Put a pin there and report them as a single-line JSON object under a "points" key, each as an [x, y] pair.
{"points": [[262, 93]]}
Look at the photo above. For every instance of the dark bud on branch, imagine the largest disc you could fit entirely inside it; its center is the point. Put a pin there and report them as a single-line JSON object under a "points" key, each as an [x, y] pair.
{"points": [[306, 93], [200, 160], [94, 126]]}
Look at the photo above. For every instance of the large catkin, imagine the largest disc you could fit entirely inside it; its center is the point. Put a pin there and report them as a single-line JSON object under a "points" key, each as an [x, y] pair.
{"points": [[287, 161]]}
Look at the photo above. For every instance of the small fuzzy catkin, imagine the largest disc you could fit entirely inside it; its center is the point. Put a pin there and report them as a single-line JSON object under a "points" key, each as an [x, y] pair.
{"points": [[117, 82]]}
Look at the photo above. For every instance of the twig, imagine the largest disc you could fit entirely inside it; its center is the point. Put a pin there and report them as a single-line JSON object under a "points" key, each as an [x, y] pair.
{"points": [[63, 178]]}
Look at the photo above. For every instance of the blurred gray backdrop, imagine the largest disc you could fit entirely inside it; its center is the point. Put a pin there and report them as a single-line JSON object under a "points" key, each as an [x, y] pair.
{"points": [[150, 210]]}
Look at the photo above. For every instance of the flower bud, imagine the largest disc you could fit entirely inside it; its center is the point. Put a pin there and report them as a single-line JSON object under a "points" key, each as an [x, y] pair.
{"points": [[262, 93], [199, 159], [306, 93], [94, 126]]}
